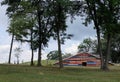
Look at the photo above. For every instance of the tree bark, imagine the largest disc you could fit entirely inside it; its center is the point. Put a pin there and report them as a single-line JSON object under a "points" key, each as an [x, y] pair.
{"points": [[11, 46], [39, 33], [32, 51], [59, 50], [100, 48], [58, 36], [107, 52], [39, 56]]}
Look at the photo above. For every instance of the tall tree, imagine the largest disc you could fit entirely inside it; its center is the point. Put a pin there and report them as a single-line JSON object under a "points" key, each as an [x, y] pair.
{"points": [[109, 14], [60, 9], [21, 31], [90, 9], [105, 15], [12, 6], [31, 16], [44, 24]]}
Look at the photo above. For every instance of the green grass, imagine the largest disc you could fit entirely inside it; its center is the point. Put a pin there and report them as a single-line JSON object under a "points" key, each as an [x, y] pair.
{"points": [[22, 73], [44, 62]]}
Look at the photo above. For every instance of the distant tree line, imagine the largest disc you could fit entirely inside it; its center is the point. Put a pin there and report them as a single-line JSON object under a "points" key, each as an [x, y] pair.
{"points": [[36, 21]]}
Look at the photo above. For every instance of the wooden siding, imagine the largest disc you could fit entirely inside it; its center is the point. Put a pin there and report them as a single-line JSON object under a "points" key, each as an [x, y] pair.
{"points": [[82, 59]]}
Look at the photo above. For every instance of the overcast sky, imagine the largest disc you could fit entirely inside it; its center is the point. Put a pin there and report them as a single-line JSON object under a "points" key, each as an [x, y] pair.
{"points": [[79, 31]]}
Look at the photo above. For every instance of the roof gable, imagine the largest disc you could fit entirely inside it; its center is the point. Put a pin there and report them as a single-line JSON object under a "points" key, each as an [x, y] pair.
{"points": [[82, 55]]}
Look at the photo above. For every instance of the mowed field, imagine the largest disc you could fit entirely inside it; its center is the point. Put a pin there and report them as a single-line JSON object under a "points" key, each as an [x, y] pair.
{"points": [[24, 73]]}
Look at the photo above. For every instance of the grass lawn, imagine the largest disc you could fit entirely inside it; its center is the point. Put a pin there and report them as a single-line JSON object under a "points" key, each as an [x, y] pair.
{"points": [[22, 73], [44, 62]]}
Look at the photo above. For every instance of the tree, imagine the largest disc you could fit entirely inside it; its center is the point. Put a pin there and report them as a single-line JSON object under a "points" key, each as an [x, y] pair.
{"points": [[104, 15], [22, 24], [44, 25], [86, 45], [111, 24], [53, 55], [13, 5], [89, 10], [60, 10], [18, 51], [31, 19]]}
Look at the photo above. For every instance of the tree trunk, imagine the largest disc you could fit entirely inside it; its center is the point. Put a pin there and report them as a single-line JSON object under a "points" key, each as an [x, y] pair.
{"points": [[32, 51], [39, 56], [9, 61], [39, 33], [100, 48], [94, 18], [32, 62], [107, 52], [58, 36], [59, 50]]}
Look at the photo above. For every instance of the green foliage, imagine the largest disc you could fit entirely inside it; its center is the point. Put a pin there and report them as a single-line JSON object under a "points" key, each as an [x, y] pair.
{"points": [[105, 16], [88, 45], [53, 55], [24, 19], [39, 19], [60, 10], [115, 48], [66, 55], [59, 13]]}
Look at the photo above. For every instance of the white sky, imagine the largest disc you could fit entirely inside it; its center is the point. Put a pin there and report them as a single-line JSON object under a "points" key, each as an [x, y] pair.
{"points": [[79, 31]]}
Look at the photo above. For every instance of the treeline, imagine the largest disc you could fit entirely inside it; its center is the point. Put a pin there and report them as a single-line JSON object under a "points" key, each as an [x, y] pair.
{"points": [[36, 21]]}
